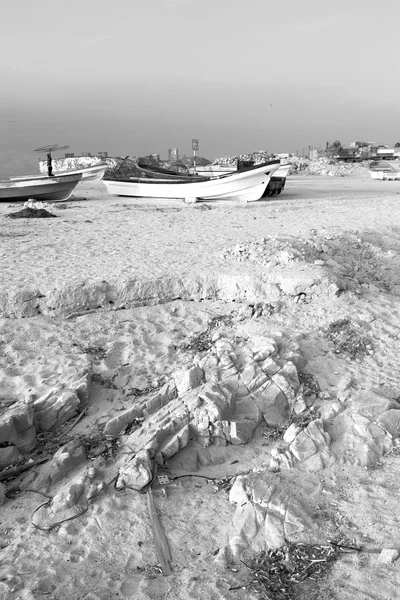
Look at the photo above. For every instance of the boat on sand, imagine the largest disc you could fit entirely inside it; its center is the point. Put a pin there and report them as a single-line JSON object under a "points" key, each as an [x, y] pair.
{"points": [[384, 170], [39, 188], [275, 186], [247, 186]]}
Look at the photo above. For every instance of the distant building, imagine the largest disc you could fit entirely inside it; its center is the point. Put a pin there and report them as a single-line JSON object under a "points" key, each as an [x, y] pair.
{"points": [[173, 155], [86, 154], [69, 155], [102, 154]]}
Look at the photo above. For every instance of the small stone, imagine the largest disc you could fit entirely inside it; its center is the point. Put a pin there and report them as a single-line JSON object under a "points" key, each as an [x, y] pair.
{"points": [[388, 555], [291, 433]]}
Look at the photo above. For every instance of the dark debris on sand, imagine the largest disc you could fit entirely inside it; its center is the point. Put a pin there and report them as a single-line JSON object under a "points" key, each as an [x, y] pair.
{"points": [[31, 213], [276, 572]]}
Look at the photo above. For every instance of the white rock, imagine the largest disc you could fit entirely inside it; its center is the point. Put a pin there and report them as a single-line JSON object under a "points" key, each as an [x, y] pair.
{"points": [[291, 433], [388, 555], [238, 494]]}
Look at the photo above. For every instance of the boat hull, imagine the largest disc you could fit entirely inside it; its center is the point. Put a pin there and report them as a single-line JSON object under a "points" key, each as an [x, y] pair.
{"points": [[384, 175], [88, 173], [42, 188], [247, 186]]}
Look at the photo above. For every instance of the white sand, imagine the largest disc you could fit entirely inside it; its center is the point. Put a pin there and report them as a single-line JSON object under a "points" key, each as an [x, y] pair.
{"points": [[109, 552]]}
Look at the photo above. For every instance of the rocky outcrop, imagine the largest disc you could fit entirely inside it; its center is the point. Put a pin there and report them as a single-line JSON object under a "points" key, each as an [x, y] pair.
{"points": [[220, 399], [18, 426], [82, 296], [267, 514], [40, 388], [65, 460]]}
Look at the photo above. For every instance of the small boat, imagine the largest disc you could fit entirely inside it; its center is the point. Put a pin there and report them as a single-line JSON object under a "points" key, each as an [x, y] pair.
{"points": [[248, 185], [275, 186], [39, 188], [384, 170], [92, 173]]}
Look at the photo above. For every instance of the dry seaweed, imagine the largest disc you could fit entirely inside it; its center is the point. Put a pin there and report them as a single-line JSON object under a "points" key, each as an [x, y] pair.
{"points": [[276, 572], [302, 420], [309, 383], [98, 444], [31, 213], [347, 340], [203, 341], [224, 484]]}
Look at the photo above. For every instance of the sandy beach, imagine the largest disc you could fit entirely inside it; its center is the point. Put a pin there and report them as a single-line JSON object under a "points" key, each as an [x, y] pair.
{"points": [[119, 300]]}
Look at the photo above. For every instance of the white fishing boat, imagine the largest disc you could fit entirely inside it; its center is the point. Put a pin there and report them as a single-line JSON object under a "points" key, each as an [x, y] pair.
{"points": [[247, 186], [384, 170], [39, 188], [92, 173], [218, 170], [275, 186]]}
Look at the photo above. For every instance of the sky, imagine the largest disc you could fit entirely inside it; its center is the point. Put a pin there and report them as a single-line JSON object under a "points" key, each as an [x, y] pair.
{"points": [[142, 76]]}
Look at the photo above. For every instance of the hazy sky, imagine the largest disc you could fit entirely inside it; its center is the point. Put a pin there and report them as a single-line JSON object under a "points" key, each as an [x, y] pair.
{"points": [[141, 76]]}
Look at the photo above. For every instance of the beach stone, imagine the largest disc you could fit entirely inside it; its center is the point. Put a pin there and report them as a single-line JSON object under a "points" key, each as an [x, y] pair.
{"points": [[118, 423], [246, 522], [169, 448], [186, 379], [311, 441], [216, 402], [77, 492], [237, 493], [266, 515], [290, 433], [137, 473], [272, 403], [388, 555], [17, 303], [55, 408], [357, 441], [289, 372], [390, 422], [269, 366], [264, 348], [241, 432], [294, 283], [17, 426], [274, 531], [187, 459], [65, 460], [60, 403]]}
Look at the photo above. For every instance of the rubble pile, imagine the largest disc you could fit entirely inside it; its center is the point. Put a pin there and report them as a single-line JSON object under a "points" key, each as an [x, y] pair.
{"points": [[358, 262], [304, 166], [232, 161], [326, 167]]}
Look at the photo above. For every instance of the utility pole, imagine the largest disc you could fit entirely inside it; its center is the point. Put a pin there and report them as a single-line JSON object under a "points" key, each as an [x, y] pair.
{"points": [[195, 146]]}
